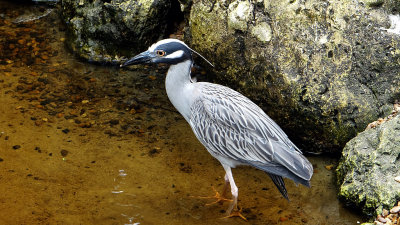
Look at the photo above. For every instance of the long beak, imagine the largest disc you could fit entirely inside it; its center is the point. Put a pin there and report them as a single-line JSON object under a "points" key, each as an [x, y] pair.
{"points": [[142, 58]]}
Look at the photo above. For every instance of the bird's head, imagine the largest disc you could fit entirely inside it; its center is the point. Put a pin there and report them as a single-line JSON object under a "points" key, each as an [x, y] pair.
{"points": [[168, 51]]}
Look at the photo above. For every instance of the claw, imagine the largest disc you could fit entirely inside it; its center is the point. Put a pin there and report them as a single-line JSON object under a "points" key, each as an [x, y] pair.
{"points": [[235, 213], [217, 196]]}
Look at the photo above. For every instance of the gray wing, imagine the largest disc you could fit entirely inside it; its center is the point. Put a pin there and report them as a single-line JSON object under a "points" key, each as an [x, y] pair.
{"points": [[231, 126]]}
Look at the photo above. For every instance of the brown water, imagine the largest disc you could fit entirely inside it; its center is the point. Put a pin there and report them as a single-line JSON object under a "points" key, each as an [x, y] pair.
{"points": [[86, 144]]}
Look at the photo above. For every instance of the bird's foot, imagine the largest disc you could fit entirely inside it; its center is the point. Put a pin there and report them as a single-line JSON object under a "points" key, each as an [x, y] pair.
{"points": [[218, 198], [235, 213]]}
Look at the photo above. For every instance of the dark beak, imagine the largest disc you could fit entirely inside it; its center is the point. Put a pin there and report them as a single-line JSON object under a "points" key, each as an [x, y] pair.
{"points": [[142, 58]]}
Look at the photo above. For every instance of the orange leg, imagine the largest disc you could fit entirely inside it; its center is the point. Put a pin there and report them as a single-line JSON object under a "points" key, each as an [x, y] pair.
{"points": [[235, 193], [218, 197], [233, 210]]}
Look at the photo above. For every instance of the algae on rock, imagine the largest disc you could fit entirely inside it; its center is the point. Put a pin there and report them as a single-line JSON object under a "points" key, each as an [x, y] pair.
{"points": [[101, 31], [368, 167], [322, 69]]}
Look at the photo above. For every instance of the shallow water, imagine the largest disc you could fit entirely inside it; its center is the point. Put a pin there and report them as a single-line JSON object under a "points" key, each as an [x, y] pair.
{"points": [[87, 144]]}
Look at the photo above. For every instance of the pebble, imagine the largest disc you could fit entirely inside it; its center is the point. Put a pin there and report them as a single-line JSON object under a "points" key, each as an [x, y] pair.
{"points": [[397, 179], [282, 219], [329, 167], [38, 123], [1, 160], [389, 219], [65, 131], [15, 147], [114, 122], [395, 209], [381, 219], [64, 152], [385, 212]]}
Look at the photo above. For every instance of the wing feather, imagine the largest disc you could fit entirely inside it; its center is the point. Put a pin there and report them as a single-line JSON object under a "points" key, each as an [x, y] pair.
{"points": [[232, 126]]}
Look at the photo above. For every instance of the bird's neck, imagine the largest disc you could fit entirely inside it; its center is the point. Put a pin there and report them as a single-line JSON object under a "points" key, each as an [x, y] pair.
{"points": [[178, 85]]}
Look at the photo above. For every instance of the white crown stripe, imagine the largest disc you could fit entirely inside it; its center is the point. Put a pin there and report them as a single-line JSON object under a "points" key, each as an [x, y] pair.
{"points": [[165, 41], [175, 55]]}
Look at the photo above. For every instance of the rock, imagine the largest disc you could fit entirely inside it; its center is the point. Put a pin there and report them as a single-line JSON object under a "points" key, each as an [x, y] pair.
{"points": [[64, 152], [65, 131], [368, 166], [381, 219], [395, 209], [114, 122], [101, 31], [322, 70]]}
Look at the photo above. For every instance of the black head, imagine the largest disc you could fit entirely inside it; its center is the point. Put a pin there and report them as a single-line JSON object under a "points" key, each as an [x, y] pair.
{"points": [[169, 51]]}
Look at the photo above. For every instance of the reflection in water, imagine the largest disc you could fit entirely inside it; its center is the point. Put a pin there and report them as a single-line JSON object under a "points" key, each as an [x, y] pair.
{"points": [[123, 200]]}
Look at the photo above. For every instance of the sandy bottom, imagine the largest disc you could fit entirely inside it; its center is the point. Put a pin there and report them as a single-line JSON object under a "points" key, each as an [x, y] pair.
{"points": [[86, 144]]}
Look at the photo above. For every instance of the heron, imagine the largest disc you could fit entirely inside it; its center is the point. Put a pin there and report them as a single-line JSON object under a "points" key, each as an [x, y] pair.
{"points": [[232, 128]]}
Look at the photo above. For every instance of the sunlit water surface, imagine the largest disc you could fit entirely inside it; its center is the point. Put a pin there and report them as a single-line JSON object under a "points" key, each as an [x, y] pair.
{"points": [[87, 144]]}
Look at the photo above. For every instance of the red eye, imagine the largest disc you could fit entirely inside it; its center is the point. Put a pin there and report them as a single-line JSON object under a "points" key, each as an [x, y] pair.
{"points": [[160, 52]]}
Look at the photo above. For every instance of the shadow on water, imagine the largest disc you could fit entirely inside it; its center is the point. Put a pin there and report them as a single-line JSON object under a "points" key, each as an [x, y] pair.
{"points": [[86, 144]]}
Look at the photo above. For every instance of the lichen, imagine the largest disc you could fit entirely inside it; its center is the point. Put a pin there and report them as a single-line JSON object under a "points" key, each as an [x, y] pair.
{"points": [[321, 64], [367, 169], [239, 14], [262, 32], [103, 31]]}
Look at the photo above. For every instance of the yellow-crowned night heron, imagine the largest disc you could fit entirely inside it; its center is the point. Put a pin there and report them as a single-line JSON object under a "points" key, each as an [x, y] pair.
{"points": [[231, 127]]}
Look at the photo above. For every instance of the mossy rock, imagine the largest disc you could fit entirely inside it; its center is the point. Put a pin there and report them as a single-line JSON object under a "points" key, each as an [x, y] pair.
{"points": [[322, 69], [102, 31], [368, 167]]}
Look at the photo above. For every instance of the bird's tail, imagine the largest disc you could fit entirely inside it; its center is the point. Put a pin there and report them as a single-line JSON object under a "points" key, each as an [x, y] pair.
{"points": [[278, 179], [280, 184]]}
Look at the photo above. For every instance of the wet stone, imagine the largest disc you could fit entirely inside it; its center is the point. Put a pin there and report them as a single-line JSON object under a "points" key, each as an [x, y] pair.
{"points": [[64, 152], [185, 168], [395, 209], [153, 152], [381, 219], [114, 122], [38, 149], [65, 131], [38, 123]]}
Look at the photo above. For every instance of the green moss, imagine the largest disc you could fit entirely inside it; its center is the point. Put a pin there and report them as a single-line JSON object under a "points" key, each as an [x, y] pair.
{"points": [[314, 72], [366, 170]]}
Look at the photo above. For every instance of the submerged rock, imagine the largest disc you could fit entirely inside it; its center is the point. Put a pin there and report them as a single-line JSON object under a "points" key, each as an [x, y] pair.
{"points": [[322, 69], [369, 166], [101, 31]]}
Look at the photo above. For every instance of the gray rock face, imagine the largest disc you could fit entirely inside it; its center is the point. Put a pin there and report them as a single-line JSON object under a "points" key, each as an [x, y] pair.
{"points": [[102, 30], [322, 69], [369, 168]]}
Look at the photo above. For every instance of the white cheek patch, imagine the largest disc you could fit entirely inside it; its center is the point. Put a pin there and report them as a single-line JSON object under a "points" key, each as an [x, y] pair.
{"points": [[175, 55]]}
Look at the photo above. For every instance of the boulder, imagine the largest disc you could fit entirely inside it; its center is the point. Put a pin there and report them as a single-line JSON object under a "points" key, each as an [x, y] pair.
{"points": [[322, 70], [369, 170], [101, 31]]}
